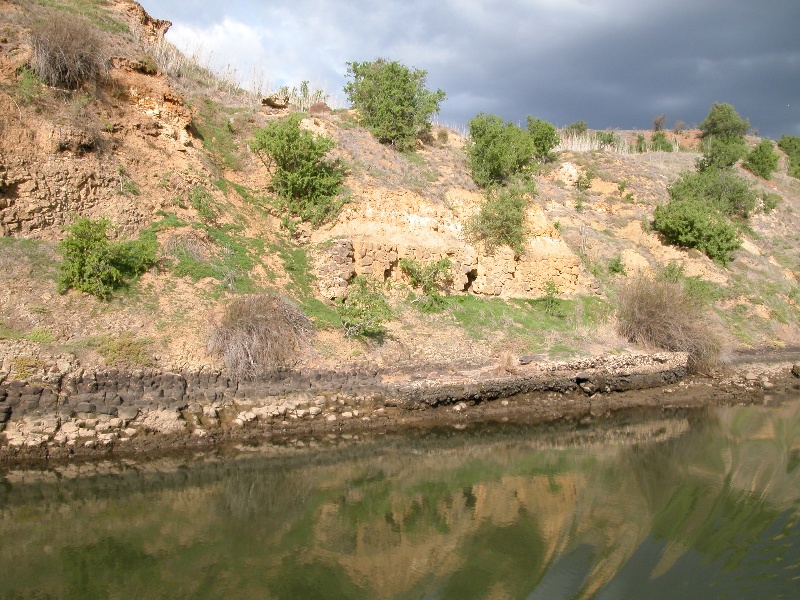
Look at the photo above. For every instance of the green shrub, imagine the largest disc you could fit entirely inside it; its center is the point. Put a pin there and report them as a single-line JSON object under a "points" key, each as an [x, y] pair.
{"points": [[723, 121], [791, 145], [92, 263], [259, 334], [762, 160], [67, 51], [203, 202], [660, 143], [616, 266], [497, 149], [721, 152], [364, 310], [501, 220], [430, 279], [576, 128], [718, 189], [606, 138], [769, 201], [544, 137], [641, 143], [392, 100], [660, 312], [306, 184], [693, 224]]}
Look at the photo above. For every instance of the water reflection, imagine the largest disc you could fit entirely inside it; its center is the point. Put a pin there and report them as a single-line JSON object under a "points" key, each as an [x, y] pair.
{"points": [[698, 505]]}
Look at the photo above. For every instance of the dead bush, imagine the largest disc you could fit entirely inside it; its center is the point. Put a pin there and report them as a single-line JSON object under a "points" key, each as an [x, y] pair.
{"points": [[656, 312], [67, 51], [259, 334]]}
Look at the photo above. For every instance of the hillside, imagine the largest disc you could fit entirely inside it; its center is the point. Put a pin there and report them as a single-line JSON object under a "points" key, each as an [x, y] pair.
{"points": [[160, 146]]}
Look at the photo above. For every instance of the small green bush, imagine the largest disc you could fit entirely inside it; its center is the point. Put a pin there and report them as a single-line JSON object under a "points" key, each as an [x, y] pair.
{"points": [[606, 138], [259, 334], [430, 279], [67, 51], [501, 220], [641, 143], [93, 264], [124, 349], [769, 201], [576, 128], [762, 160], [693, 224], [660, 312], [616, 266], [791, 145], [660, 143], [306, 184], [364, 310], [392, 100]]}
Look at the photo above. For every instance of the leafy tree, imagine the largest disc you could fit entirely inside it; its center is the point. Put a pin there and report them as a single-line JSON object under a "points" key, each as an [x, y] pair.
{"points": [[544, 137], [762, 160], [93, 264], [304, 181], [497, 149], [723, 121], [392, 100]]}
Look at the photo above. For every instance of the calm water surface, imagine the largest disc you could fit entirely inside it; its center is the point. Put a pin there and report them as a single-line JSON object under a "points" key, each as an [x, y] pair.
{"points": [[695, 505]]}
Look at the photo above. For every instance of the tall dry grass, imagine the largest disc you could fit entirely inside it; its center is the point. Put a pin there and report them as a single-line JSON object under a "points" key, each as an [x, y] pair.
{"points": [[655, 312], [67, 51]]}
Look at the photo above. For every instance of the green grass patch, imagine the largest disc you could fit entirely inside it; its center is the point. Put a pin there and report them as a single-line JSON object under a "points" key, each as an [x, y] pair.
{"points": [[213, 123], [93, 10], [526, 319], [297, 267]]}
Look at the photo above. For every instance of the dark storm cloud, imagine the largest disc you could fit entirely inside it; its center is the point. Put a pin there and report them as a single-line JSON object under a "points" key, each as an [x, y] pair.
{"points": [[612, 63]]}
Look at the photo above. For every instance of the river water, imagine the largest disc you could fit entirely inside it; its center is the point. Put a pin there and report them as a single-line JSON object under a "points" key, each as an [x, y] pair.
{"points": [[702, 504]]}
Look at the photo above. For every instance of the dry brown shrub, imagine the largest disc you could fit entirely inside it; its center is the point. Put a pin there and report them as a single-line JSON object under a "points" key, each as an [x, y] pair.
{"points": [[259, 334], [67, 51], [655, 312]]}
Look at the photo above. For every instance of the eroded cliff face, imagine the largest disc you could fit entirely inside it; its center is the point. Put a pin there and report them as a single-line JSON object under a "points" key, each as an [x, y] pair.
{"points": [[90, 152]]}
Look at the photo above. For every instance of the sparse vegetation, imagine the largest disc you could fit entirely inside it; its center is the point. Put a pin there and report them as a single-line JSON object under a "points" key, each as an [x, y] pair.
{"points": [[259, 334], [67, 51], [305, 182], [576, 128], [93, 264], [658, 312], [124, 349], [392, 101]]}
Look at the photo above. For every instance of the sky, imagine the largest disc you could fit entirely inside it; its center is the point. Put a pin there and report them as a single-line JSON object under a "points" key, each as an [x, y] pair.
{"points": [[611, 63]]}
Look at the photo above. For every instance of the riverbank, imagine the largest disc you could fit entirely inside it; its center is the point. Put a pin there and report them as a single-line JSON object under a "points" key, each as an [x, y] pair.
{"points": [[107, 414]]}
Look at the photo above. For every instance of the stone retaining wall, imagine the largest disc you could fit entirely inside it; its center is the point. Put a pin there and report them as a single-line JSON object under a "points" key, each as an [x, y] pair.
{"points": [[102, 408]]}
